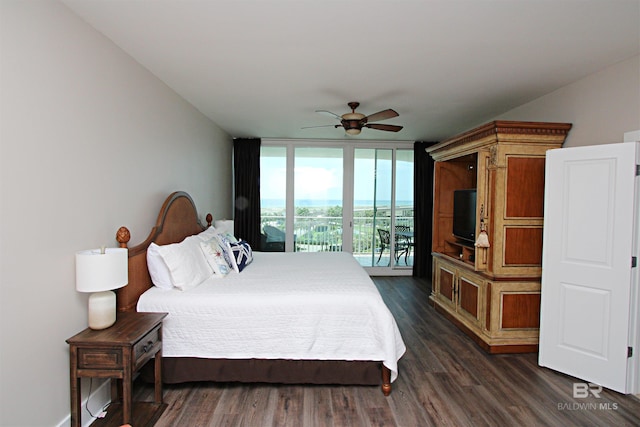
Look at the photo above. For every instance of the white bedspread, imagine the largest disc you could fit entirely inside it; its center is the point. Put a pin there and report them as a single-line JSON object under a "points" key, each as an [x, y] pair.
{"points": [[320, 306]]}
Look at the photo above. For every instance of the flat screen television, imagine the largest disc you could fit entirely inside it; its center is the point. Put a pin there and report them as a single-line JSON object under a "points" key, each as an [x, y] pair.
{"points": [[464, 215]]}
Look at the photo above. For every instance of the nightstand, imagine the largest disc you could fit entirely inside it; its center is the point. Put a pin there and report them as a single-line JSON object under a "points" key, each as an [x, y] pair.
{"points": [[118, 352]]}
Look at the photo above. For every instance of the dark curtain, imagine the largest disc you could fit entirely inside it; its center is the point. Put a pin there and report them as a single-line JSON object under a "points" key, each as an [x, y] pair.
{"points": [[423, 209], [246, 173]]}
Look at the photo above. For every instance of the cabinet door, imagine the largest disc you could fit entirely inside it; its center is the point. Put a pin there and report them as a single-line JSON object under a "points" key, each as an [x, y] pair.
{"points": [[470, 290], [445, 284], [587, 260]]}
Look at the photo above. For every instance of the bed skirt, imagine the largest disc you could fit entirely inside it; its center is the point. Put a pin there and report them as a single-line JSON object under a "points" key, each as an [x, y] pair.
{"points": [[188, 369]]}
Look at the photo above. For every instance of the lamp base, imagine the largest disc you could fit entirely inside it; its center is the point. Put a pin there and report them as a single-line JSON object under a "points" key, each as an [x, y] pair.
{"points": [[102, 309]]}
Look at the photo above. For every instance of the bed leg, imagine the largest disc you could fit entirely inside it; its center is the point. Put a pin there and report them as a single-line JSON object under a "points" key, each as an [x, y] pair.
{"points": [[386, 381]]}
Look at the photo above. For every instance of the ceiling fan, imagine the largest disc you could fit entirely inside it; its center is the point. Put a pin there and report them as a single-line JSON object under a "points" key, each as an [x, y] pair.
{"points": [[354, 122]]}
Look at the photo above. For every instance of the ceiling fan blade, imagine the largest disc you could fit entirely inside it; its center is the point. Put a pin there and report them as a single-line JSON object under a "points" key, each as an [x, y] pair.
{"points": [[389, 128], [382, 115], [329, 113], [321, 126]]}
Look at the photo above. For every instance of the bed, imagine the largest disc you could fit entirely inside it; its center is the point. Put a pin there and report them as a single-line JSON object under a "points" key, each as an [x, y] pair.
{"points": [[297, 318]]}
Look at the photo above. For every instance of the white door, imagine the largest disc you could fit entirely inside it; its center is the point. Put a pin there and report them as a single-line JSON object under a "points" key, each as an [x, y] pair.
{"points": [[587, 258]]}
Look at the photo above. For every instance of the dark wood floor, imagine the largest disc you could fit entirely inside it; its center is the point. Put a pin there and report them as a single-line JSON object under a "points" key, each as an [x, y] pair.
{"points": [[445, 380]]}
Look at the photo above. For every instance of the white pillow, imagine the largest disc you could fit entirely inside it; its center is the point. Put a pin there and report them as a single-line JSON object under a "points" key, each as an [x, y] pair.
{"points": [[215, 257], [208, 233], [160, 274], [186, 263]]}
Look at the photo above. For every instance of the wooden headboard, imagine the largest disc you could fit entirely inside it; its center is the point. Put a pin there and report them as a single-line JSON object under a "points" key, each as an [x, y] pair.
{"points": [[178, 218]]}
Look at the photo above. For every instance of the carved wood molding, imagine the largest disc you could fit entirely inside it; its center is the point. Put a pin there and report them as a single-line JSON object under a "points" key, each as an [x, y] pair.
{"points": [[512, 128], [493, 156], [493, 130]]}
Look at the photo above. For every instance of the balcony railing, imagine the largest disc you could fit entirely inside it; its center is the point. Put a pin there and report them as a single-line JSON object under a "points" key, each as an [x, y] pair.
{"points": [[324, 233]]}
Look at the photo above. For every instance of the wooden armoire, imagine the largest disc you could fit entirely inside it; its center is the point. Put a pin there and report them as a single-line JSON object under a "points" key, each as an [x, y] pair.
{"points": [[493, 293]]}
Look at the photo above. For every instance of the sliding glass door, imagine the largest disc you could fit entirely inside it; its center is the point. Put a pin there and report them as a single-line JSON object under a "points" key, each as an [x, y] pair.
{"points": [[330, 197], [318, 188], [403, 208], [383, 207], [372, 206]]}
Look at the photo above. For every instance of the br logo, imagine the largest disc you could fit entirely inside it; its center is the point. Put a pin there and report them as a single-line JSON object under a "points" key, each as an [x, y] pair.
{"points": [[583, 390]]}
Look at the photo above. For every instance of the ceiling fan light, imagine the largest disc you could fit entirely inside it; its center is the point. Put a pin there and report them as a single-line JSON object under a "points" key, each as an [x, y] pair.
{"points": [[353, 131], [353, 116]]}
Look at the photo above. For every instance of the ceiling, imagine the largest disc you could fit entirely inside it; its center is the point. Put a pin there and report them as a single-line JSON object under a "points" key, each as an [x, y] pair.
{"points": [[260, 68]]}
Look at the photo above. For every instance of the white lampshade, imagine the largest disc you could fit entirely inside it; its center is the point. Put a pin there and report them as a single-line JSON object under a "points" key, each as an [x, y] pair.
{"points": [[99, 272], [224, 226]]}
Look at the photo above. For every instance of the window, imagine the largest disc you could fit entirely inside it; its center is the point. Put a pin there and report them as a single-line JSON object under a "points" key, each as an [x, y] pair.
{"points": [[332, 197]]}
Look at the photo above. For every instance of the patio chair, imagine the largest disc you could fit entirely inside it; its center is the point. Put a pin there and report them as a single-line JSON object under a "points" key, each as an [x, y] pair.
{"points": [[273, 239], [404, 242], [385, 242]]}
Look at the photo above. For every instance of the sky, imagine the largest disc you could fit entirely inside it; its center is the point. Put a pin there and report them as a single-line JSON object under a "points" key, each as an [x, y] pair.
{"points": [[321, 178]]}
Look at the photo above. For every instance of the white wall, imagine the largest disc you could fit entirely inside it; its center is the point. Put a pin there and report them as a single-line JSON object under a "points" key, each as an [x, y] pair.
{"points": [[602, 106], [89, 141]]}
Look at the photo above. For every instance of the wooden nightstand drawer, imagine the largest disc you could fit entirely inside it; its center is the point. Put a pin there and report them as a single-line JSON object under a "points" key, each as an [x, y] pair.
{"points": [[146, 347], [96, 358]]}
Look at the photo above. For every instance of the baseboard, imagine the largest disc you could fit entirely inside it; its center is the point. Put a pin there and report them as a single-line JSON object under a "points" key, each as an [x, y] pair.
{"points": [[99, 398]]}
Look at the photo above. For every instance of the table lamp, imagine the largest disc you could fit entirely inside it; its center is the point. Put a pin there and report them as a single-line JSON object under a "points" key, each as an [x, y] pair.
{"points": [[100, 271]]}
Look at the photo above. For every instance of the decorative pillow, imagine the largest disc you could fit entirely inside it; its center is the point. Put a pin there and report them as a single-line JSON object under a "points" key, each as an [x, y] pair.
{"points": [[214, 255], [224, 242], [233, 238], [160, 274], [186, 262], [230, 237], [242, 255]]}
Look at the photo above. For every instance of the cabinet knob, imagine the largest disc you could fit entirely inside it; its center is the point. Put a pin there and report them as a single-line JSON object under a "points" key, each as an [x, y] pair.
{"points": [[147, 347]]}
